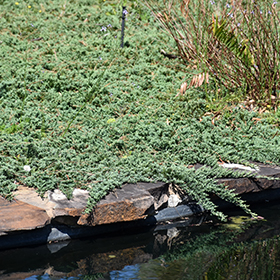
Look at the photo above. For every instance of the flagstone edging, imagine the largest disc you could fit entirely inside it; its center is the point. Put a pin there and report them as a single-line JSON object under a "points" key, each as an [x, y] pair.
{"points": [[30, 219]]}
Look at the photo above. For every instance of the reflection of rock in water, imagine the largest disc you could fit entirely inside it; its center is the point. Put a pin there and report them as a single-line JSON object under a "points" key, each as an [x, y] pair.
{"points": [[263, 229], [172, 233], [143, 258], [55, 247], [99, 255], [104, 262], [168, 234]]}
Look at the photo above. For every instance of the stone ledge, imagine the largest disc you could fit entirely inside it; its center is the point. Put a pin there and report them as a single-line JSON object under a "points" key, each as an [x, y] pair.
{"points": [[133, 202], [18, 215], [247, 185]]}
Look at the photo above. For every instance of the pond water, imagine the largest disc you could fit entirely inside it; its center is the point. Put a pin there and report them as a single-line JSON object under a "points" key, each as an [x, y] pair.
{"points": [[194, 248]]}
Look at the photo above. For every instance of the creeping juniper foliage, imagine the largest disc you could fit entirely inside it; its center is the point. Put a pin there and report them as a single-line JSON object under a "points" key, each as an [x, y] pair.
{"points": [[77, 111]]}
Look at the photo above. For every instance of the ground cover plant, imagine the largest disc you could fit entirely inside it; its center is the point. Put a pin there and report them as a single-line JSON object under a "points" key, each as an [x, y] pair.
{"points": [[78, 111]]}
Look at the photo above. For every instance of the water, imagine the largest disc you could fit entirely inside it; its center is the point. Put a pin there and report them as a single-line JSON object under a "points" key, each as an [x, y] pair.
{"points": [[198, 248]]}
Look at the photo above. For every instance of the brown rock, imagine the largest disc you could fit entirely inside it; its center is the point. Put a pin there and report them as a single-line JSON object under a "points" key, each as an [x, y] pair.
{"points": [[131, 202], [17, 215], [30, 196], [239, 185], [55, 203], [246, 185]]}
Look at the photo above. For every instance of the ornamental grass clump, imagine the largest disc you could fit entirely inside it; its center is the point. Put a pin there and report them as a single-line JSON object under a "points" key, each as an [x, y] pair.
{"points": [[234, 42]]}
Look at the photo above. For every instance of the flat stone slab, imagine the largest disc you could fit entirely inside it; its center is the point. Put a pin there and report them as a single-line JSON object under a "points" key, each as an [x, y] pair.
{"points": [[149, 202], [131, 202], [17, 215], [247, 185]]}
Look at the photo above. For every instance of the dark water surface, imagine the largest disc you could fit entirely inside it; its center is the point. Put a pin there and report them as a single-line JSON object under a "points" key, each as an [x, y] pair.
{"points": [[195, 248]]}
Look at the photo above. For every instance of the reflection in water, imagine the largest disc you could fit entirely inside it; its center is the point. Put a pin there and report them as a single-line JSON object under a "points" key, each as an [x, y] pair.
{"points": [[93, 256], [235, 250], [257, 260], [128, 272], [182, 250]]}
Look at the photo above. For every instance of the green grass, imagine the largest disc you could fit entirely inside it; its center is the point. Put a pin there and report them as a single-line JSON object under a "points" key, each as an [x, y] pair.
{"points": [[84, 113]]}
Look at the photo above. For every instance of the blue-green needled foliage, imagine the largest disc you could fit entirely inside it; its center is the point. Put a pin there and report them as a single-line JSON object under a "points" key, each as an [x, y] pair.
{"points": [[77, 111]]}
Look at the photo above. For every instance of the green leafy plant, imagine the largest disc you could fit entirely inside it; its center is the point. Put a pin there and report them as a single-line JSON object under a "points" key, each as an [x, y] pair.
{"points": [[239, 48]]}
